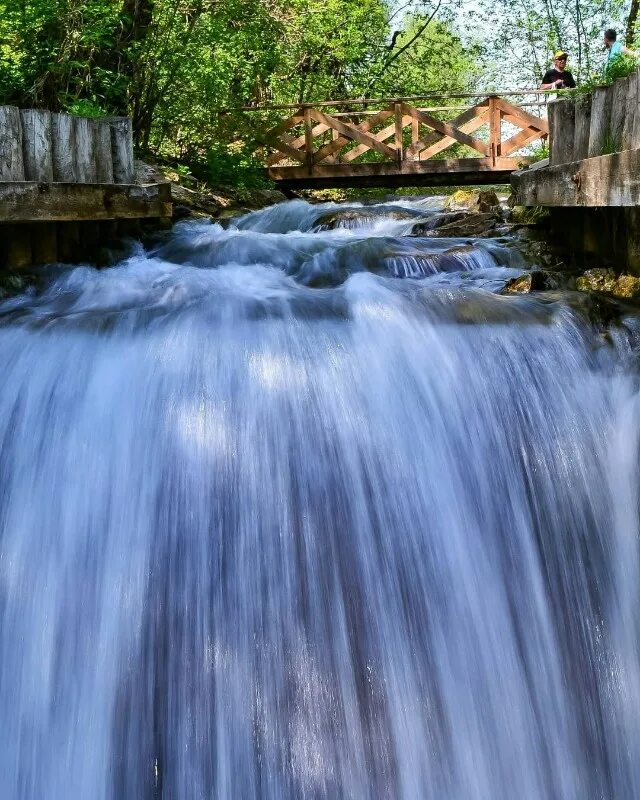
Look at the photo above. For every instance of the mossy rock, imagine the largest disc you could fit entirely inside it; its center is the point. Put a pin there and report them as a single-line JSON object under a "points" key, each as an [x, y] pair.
{"points": [[479, 201], [606, 281]]}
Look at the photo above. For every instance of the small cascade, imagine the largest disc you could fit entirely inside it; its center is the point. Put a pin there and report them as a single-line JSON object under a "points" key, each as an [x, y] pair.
{"points": [[288, 512]]}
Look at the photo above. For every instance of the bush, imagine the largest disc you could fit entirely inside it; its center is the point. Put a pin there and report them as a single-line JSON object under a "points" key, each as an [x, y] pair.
{"points": [[235, 165]]}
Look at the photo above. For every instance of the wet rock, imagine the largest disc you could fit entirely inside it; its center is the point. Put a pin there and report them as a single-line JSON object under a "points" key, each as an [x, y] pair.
{"points": [[356, 217], [535, 281], [455, 259], [195, 199], [469, 226], [483, 308], [520, 285], [474, 200], [437, 221], [524, 215], [605, 280]]}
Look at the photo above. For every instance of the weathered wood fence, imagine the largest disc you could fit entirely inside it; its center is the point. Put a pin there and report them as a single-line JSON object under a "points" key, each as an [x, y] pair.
{"points": [[67, 185], [37, 145], [400, 143]]}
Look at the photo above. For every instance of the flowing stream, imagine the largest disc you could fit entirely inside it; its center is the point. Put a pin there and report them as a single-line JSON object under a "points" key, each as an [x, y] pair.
{"points": [[290, 510]]}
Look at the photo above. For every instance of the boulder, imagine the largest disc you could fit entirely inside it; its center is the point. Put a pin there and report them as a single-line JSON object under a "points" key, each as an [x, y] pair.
{"points": [[356, 217], [469, 226], [535, 281], [437, 221], [478, 201]]}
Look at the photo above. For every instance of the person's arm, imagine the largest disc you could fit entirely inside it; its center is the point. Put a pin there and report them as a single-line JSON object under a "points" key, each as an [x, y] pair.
{"points": [[628, 52], [569, 81]]}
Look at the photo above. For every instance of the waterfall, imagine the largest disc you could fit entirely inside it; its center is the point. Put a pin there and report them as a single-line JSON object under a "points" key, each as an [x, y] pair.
{"points": [[288, 512]]}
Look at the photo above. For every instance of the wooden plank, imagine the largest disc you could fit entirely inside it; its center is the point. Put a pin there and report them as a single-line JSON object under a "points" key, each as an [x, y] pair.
{"points": [[286, 124], [525, 120], [277, 134], [385, 133], [37, 147], [441, 143], [355, 133], [317, 131], [11, 158], [30, 201], [398, 131], [454, 165], [15, 246], [102, 151], [122, 149], [85, 145], [338, 143], [476, 111], [494, 128], [63, 133], [415, 132], [519, 140], [283, 147], [308, 138], [44, 243]]}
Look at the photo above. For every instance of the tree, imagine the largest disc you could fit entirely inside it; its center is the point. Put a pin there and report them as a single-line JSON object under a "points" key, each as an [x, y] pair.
{"points": [[527, 32]]}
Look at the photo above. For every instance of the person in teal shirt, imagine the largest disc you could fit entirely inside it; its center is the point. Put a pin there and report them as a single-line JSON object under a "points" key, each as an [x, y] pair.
{"points": [[615, 48]]}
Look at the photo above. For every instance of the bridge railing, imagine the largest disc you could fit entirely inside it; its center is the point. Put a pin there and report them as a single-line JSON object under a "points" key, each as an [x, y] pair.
{"points": [[489, 132]]}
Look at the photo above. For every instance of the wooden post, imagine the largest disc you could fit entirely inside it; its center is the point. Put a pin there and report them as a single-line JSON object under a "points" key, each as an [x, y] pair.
{"points": [[561, 130], [582, 123], [415, 131], [632, 99], [398, 132], [122, 149], [494, 130], [619, 105], [599, 130], [102, 151], [37, 150], [308, 139], [64, 148], [89, 239], [17, 246], [85, 147], [11, 158], [68, 241], [44, 243]]}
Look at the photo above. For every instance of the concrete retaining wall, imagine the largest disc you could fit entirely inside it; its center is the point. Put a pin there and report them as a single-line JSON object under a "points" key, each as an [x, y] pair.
{"points": [[607, 121]]}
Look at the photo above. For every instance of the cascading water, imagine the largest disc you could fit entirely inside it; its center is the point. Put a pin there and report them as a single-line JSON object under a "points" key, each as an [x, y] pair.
{"points": [[299, 513]]}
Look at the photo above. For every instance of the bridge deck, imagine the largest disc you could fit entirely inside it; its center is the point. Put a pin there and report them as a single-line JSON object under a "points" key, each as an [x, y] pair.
{"points": [[446, 172]]}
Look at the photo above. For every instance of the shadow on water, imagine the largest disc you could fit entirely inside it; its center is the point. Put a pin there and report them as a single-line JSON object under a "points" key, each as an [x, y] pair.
{"points": [[290, 512]]}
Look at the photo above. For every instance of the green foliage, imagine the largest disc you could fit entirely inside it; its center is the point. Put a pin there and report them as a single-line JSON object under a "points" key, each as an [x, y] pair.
{"points": [[235, 166], [171, 64], [528, 32], [538, 152], [620, 67]]}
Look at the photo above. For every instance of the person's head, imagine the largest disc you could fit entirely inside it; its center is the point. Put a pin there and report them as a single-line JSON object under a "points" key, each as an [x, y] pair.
{"points": [[610, 36], [560, 60]]}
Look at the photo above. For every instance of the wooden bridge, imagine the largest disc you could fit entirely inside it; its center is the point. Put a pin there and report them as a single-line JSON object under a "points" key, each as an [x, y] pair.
{"points": [[402, 143]]}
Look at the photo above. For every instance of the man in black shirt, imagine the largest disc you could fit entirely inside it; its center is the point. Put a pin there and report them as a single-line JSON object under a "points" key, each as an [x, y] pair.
{"points": [[559, 77]]}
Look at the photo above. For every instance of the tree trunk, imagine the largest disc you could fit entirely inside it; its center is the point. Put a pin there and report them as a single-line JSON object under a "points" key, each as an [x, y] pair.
{"points": [[631, 22]]}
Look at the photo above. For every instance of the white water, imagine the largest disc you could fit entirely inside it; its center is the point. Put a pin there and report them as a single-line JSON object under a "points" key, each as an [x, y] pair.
{"points": [[275, 523]]}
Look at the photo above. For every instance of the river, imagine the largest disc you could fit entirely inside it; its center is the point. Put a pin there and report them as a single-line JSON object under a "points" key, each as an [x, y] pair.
{"points": [[289, 512]]}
